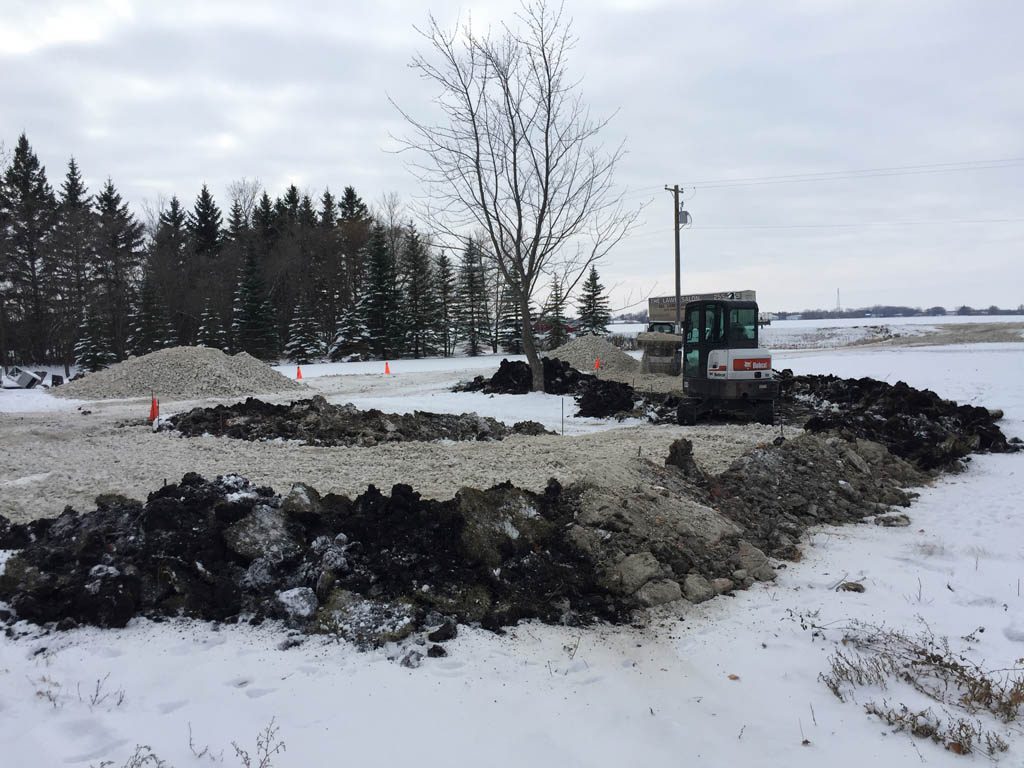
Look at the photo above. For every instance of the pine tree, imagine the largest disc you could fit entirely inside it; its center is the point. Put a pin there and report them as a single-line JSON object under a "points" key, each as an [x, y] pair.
{"points": [[204, 225], [151, 328], [73, 272], [447, 304], [253, 326], [554, 316], [382, 296], [511, 327], [593, 306], [118, 255], [420, 303], [352, 338], [168, 261], [92, 350], [27, 217], [211, 330], [473, 315], [354, 229], [304, 344]]}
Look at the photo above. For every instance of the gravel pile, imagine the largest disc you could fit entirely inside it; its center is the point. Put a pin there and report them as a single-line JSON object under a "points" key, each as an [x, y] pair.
{"points": [[181, 373], [581, 352]]}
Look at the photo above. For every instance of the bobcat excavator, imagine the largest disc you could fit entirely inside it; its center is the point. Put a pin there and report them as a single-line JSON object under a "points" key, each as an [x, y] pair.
{"points": [[723, 367]]}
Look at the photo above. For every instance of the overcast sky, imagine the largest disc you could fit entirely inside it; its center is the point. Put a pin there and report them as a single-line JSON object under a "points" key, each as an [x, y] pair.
{"points": [[163, 97]]}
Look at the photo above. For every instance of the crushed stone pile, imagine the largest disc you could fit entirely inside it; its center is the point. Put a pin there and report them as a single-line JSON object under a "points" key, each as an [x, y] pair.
{"points": [[181, 373], [381, 568], [317, 422], [595, 398], [914, 424], [582, 351]]}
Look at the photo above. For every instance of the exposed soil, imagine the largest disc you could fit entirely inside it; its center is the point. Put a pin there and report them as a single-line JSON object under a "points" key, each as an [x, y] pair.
{"points": [[317, 422], [916, 425], [378, 567], [595, 398]]}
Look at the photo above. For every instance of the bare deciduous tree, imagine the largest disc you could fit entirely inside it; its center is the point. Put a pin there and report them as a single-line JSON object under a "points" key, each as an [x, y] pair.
{"points": [[518, 154]]}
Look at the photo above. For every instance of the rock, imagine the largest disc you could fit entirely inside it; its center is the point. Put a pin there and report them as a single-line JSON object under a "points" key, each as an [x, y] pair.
{"points": [[265, 533], [680, 454], [633, 571], [412, 659], [298, 603], [740, 574], [721, 586], [659, 592], [436, 652], [302, 501], [892, 521], [858, 462], [366, 623], [754, 562], [697, 589], [447, 631], [850, 586]]}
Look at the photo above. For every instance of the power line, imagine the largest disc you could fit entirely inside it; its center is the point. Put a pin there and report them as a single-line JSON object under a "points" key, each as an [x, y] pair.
{"points": [[865, 173]]}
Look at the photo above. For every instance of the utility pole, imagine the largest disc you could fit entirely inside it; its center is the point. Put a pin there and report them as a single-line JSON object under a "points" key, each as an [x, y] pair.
{"points": [[674, 189]]}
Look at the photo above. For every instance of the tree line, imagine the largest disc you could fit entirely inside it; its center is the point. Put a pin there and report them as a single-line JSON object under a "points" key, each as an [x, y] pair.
{"points": [[84, 281]]}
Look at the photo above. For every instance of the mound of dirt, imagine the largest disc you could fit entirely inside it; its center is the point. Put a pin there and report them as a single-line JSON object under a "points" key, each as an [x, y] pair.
{"points": [[381, 567], [595, 398], [372, 569], [181, 373], [582, 352], [317, 422], [914, 424]]}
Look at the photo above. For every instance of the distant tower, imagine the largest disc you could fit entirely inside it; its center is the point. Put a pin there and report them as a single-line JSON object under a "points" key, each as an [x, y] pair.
{"points": [[839, 306]]}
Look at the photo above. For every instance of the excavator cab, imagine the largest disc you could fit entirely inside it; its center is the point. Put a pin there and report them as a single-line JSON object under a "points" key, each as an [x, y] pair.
{"points": [[724, 368]]}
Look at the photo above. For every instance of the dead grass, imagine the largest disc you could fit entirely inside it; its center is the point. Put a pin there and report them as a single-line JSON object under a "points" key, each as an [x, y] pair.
{"points": [[873, 656]]}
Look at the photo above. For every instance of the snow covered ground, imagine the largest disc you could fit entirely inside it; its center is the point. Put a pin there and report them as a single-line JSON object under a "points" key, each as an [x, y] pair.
{"points": [[733, 681]]}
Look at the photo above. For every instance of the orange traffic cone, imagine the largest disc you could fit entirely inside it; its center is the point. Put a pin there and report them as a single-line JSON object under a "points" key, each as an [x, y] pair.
{"points": [[387, 368], [154, 410], [597, 363], [298, 373]]}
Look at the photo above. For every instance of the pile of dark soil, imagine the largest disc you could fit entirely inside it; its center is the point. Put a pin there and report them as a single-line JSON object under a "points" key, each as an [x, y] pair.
{"points": [[371, 569], [914, 424], [595, 398], [317, 422]]}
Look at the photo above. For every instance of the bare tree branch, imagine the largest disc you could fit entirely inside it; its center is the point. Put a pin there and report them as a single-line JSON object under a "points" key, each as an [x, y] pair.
{"points": [[516, 154]]}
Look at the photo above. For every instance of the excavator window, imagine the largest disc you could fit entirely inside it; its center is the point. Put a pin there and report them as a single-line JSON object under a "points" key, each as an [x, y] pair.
{"points": [[743, 324]]}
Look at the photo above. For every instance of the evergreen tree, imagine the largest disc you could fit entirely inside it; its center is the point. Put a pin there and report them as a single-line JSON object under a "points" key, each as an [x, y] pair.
{"points": [[118, 254], [382, 296], [511, 327], [73, 260], [151, 327], [27, 216], [472, 313], [168, 263], [554, 316], [211, 330], [352, 339], [420, 303], [447, 304], [92, 350], [204, 225], [354, 229], [593, 306], [304, 344], [253, 326]]}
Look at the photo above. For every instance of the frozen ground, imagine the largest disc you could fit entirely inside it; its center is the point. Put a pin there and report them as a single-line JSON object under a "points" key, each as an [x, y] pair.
{"points": [[730, 682]]}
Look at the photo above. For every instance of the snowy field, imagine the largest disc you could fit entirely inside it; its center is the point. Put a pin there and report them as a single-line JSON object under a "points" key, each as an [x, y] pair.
{"points": [[733, 681]]}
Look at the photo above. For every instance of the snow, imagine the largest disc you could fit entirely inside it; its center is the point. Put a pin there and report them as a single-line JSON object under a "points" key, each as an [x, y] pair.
{"points": [[733, 681], [398, 367], [33, 401]]}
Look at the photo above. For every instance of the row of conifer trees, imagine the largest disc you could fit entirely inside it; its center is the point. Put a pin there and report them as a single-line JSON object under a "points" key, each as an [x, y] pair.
{"points": [[84, 281]]}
